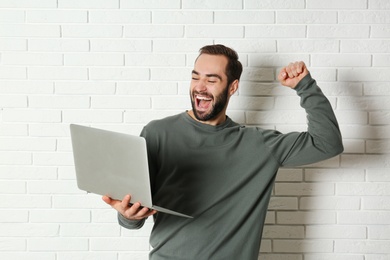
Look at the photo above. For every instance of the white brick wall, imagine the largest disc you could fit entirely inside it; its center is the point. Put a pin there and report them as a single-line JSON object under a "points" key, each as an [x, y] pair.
{"points": [[119, 64]]}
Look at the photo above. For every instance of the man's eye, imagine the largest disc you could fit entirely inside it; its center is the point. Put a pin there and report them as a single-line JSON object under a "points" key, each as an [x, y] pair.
{"points": [[194, 79], [212, 81]]}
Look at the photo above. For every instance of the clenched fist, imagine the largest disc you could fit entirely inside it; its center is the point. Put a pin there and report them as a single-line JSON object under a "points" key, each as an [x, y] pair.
{"points": [[290, 75]]}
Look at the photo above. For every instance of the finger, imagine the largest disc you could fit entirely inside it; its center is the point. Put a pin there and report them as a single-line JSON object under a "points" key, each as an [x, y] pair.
{"points": [[290, 70], [282, 74], [126, 201]]}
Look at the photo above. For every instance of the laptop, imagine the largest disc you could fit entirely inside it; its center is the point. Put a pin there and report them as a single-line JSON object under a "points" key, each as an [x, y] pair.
{"points": [[113, 164]]}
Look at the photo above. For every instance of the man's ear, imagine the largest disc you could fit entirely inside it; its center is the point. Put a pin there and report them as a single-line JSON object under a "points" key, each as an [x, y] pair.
{"points": [[233, 87]]}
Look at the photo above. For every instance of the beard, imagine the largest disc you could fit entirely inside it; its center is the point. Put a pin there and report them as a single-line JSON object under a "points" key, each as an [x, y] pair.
{"points": [[218, 104]]}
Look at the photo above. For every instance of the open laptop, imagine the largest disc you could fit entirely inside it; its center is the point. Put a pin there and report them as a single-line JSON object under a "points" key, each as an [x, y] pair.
{"points": [[113, 164]]}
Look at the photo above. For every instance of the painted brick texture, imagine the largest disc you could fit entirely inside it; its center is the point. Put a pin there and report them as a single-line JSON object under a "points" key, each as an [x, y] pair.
{"points": [[119, 64]]}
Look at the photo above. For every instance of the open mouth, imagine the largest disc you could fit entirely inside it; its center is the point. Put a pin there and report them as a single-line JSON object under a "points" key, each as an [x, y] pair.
{"points": [[203, 102]]}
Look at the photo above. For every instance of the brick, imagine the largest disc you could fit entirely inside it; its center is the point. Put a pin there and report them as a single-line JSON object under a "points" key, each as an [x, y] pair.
{"points": [[57, 73], [13, 101], [13, 216], [365, 161], [53, 187], [295, 246], [373, 74], [170, 74], [31, 115], [215, 31], [27, 230], [341, 60], [119, 244], [179, 45], [145, 116], [275, 31], [381, 60], [376, 89], [217, 4], [119, 73], [59, 216], [90, 230], [88, 4], [59, 102], [146, 88], [378, 175], [244, 17], [13, 244], [363, 189], [94, 59], [308, 45], [291, 189], [120, 102], [119, 17], [274, 4], [379, 232], [258, 74], [28, 255], [378, 4], [277, 232], [58, 45], [15, 158], [378, 147], [289, 175], [376, 203], [92, 31], [27, 173], [336, 232], [92, 116], [19, 201], [52, 159], [334, 175], [155, 60], [29, 4], [338, 31], [306, 17], [275, 60], [13, 44], [365, 46], [121, 45], [29, 30], [56, 16], [362, 246], [11, 16], [84, 88], [147, 4], [39, 59], [282, 203], [336, 4], [250, 45], [329, 203], [13, 73], [13, 129], [55, 244], [334, 256], [153, 31], [364, 17], [87, 256], [380, 31], [12, 187], [183, 17], [72, 202], [27, 144], [352, 117]]}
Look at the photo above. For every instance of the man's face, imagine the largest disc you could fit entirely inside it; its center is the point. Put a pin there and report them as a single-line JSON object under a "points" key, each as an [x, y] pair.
{"points": [[209, 91]]}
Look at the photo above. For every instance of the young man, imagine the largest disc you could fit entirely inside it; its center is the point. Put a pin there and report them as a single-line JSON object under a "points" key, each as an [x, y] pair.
{"points": [[222, 173]]}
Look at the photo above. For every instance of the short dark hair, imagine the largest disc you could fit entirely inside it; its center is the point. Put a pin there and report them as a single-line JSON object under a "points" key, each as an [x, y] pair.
{"points": [[234, 66]]}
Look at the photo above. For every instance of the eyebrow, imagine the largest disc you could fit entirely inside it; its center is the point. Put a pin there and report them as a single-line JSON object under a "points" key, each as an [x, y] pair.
{"points": [[208, 75]]}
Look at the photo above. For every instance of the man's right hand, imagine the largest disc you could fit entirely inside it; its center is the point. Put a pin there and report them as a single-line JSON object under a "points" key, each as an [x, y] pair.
{"points": [[130, 211]]}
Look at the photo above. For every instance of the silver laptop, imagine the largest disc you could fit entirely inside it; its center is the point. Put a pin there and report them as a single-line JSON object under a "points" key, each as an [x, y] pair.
{"points": [[113, 164]]}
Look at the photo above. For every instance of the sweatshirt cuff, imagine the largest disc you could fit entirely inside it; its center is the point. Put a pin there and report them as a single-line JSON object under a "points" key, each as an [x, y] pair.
{"points": [[304, 82], [130, 224]]}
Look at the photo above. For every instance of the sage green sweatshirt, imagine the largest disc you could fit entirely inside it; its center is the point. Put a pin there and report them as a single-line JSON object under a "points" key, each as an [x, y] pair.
{"points": [[223, 176]]}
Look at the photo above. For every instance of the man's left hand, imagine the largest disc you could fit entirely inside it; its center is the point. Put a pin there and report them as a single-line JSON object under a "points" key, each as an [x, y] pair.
{"points": [[290, 75]]}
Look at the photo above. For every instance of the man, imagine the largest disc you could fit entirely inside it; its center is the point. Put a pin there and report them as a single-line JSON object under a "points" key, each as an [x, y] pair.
{"points": [[205, 165]]}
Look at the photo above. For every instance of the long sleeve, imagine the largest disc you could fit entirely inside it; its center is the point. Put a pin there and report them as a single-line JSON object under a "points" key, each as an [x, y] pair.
{"points": [[130, 224], [322, 139]]}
